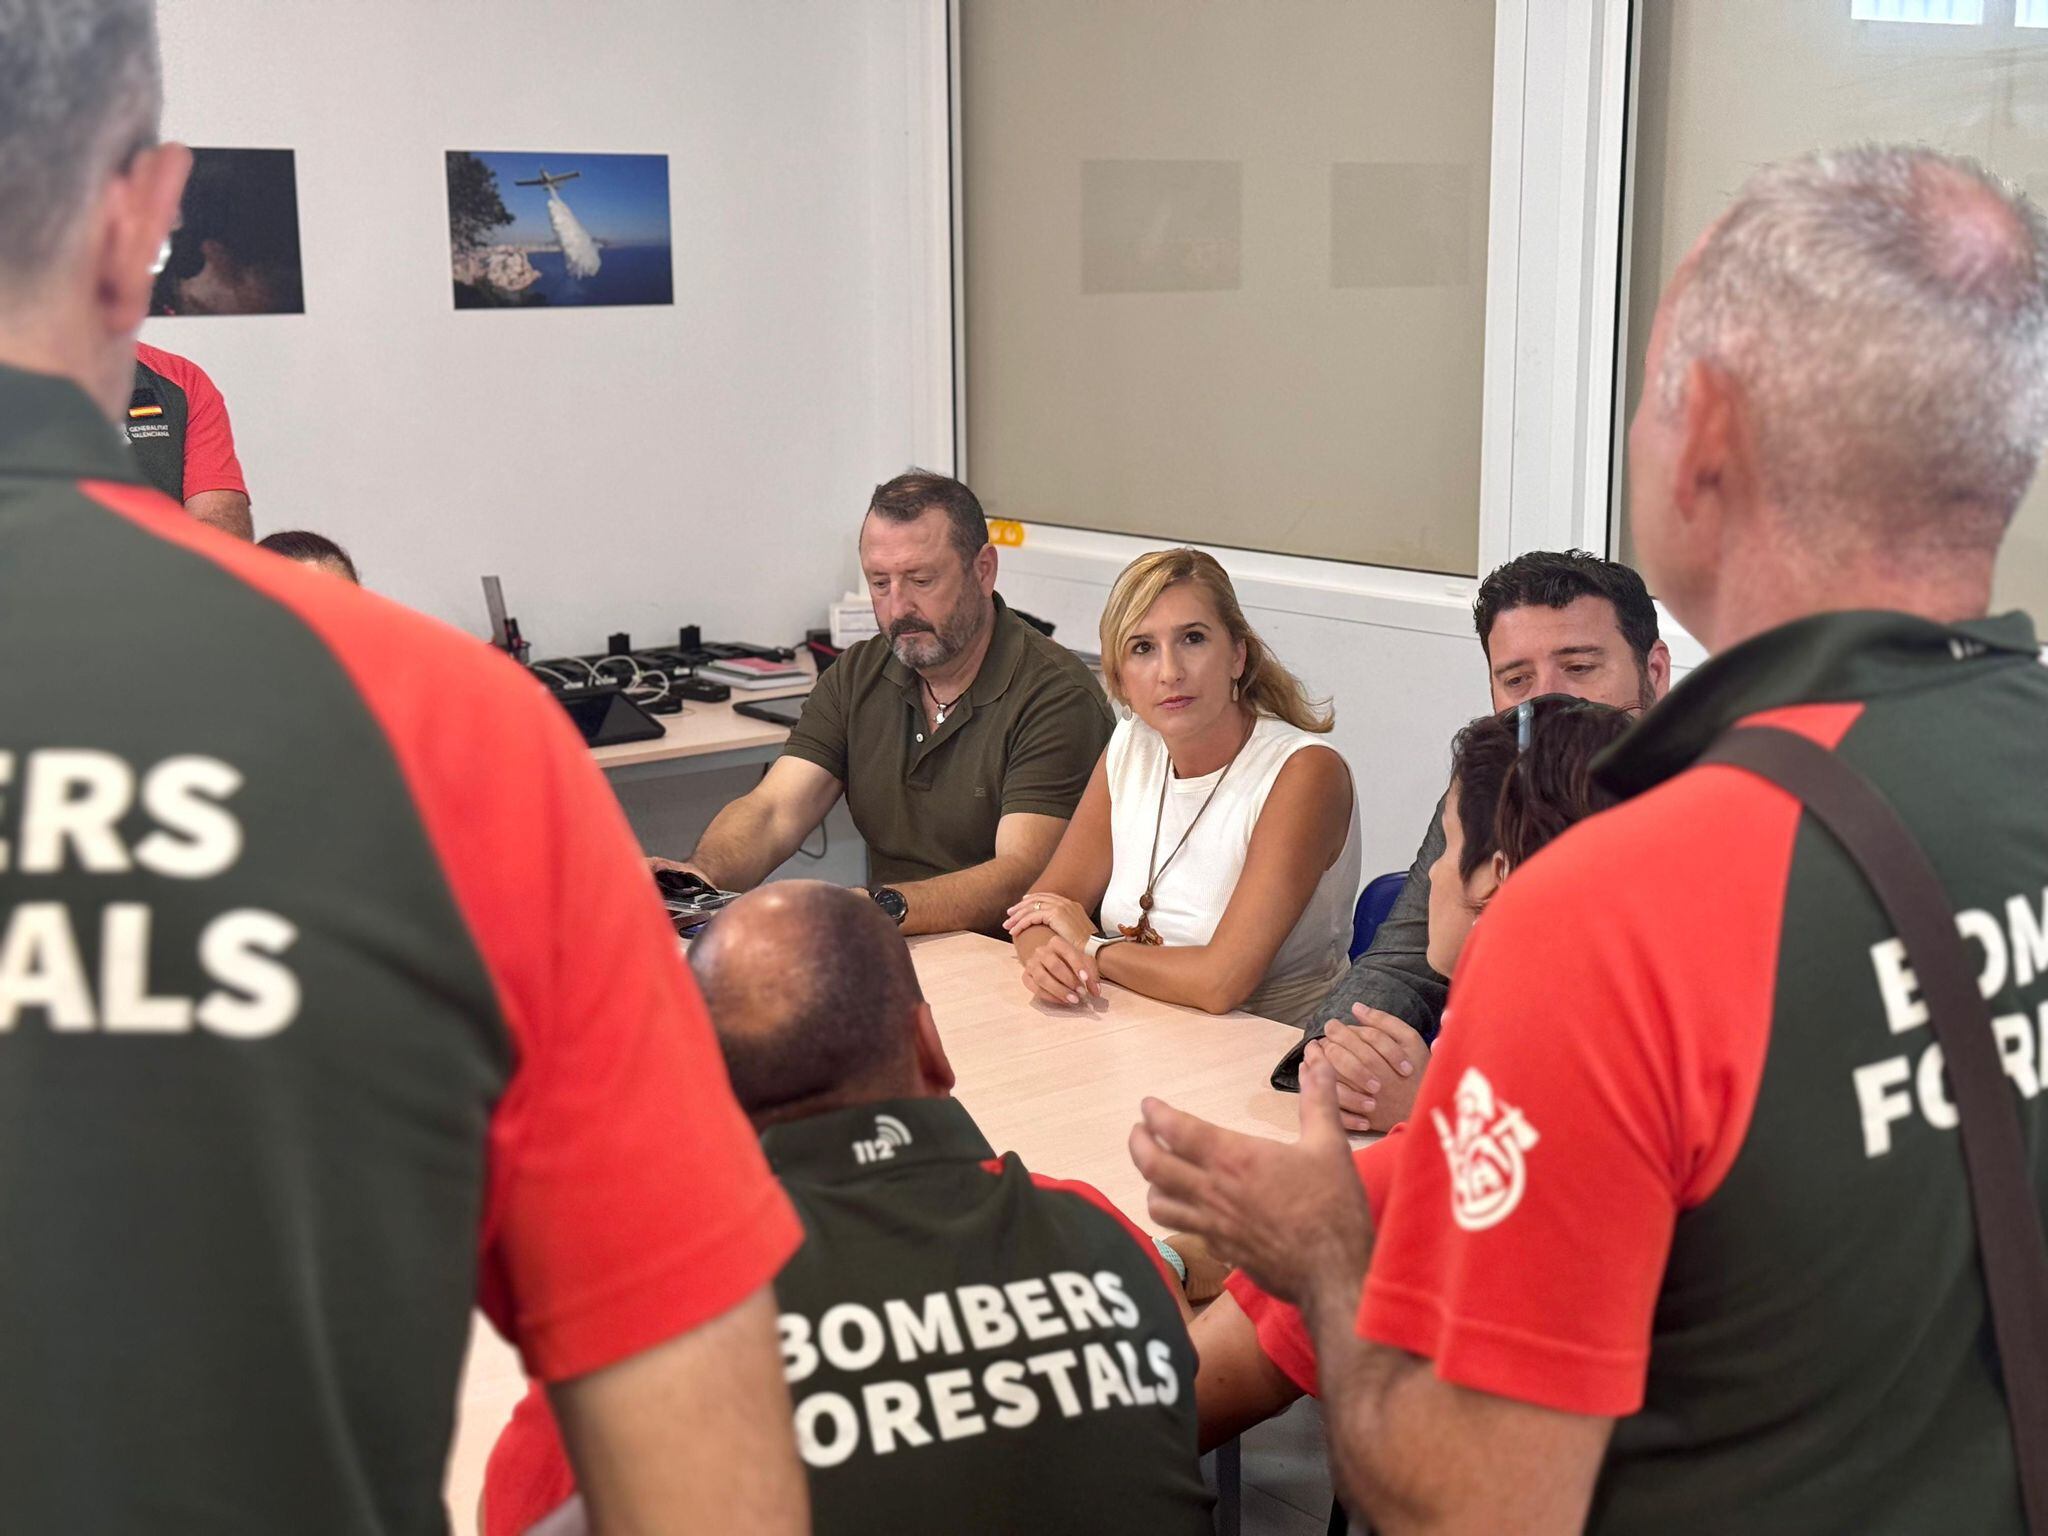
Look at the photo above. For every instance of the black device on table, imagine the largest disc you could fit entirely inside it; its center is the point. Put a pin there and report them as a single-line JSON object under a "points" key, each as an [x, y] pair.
{"points": [[606, 717], [692, 901], [727, 650], [783, 712]]}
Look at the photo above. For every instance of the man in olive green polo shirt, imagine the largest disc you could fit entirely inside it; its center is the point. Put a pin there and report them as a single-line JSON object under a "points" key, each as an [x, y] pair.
{"points": [[961, 736]]}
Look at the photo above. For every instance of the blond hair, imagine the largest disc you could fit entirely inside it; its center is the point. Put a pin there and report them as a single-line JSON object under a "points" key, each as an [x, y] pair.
{"points": [[1266, 686]]}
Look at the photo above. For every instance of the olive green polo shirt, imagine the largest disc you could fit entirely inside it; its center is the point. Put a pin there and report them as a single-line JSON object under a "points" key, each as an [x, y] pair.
{"points": [[1024, 738]]}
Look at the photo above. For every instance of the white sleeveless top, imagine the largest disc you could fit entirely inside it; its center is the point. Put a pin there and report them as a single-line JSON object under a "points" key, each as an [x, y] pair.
{"points": [[1188, 901]]}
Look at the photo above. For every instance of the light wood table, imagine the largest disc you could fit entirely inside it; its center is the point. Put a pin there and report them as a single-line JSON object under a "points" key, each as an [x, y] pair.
{"points": [[1059, 1087], [705, 736]]}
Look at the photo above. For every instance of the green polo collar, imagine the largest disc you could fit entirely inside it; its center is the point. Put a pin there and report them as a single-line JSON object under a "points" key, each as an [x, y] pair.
{"points": [[48, 426], [844, 1145], [1006, 642], [1827, 658]]}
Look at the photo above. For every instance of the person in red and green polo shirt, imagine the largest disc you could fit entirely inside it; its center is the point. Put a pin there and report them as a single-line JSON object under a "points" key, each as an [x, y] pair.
{"points": [[1679, 1239], [334, 1000], [970, 1346], [1519, 779], [178, 430]]}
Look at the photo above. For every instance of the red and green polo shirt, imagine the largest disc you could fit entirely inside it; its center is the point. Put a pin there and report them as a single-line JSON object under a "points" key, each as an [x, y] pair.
{"points": [[177, 427], [334, 1001], [1685, 1156]]}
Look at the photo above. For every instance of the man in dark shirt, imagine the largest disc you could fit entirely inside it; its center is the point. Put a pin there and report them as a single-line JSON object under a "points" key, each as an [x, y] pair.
{"points": [[970, 1347], [961, 736], [1548, 622], [299, 1060]]}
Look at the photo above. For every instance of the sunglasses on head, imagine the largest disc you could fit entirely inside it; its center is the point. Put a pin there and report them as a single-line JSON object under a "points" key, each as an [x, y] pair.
{"points": [[1524, 714]]}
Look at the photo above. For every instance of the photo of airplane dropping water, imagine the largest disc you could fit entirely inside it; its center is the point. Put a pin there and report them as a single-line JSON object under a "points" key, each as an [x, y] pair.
{"points": [[579, 251], [558, 230]]}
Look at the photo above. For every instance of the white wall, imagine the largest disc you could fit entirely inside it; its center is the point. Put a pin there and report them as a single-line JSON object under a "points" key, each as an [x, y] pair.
{"points": [[639, 468], [630, 468]]}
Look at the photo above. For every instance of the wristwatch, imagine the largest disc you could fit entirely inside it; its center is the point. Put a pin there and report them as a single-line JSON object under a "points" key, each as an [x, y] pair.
{"points": [[891, 901], [1097, 942]]}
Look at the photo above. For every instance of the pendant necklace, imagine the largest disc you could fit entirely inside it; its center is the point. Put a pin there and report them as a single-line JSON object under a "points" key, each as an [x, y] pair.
{"points": [[1142, 931], [943, 707]]}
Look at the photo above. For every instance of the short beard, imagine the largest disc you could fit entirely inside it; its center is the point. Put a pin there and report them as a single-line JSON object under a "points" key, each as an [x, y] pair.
{"points": [[924, 650]]}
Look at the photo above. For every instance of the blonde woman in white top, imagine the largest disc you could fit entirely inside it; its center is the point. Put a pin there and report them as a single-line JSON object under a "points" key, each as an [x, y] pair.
{"points": [[1217, 838]]}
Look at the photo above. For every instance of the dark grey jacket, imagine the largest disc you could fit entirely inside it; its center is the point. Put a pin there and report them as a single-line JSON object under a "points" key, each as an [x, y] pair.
{"points": [[1394, 975]]}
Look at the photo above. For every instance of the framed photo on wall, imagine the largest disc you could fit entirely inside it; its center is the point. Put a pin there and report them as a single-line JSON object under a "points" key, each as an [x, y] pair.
{"points": [[558, 230]]}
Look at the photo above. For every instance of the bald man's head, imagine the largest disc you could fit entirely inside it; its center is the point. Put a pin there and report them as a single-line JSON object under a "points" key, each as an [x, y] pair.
{"points": [[814, 1002]]}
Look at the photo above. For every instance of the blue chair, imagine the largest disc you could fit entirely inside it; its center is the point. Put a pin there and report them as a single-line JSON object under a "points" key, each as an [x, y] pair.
{"points": [[1374, 903]]}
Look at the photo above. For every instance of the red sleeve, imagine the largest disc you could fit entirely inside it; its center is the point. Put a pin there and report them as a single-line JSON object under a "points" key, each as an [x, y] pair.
{"points": [[1595, 1077], [528, 1476], [1283, 1333], [629, 1200], [210, 462]]}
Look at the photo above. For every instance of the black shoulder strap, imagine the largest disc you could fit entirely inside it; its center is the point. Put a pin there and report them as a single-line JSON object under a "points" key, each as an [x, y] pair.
{"points": [[2008, 1213]]}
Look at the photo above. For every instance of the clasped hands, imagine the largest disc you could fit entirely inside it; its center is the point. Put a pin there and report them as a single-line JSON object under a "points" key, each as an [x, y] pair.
{"points": [[1056, 969], [1378, 1062]]}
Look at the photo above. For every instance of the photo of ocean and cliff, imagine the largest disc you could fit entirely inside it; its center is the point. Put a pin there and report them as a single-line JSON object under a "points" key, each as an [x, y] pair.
{"points": [[558, 231]]}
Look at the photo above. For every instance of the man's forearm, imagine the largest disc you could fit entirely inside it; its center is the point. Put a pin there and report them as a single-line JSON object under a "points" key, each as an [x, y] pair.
{"points": [[1420, 1456], [1380, 1474], [1236, 1385], [1394, 975], [1398, 981], [1352, 1376], [693, 1434], [743, 846], [226, 510], [973, 900]]}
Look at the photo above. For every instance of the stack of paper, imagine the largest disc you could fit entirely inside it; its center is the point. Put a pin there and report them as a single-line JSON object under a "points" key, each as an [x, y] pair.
{"points": [[853, 618], [751, 672]]}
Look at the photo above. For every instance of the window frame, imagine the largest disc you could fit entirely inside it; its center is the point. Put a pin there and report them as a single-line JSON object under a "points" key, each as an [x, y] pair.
{"points": [[1553, 302], [1923, 21], [2001, 19]]}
